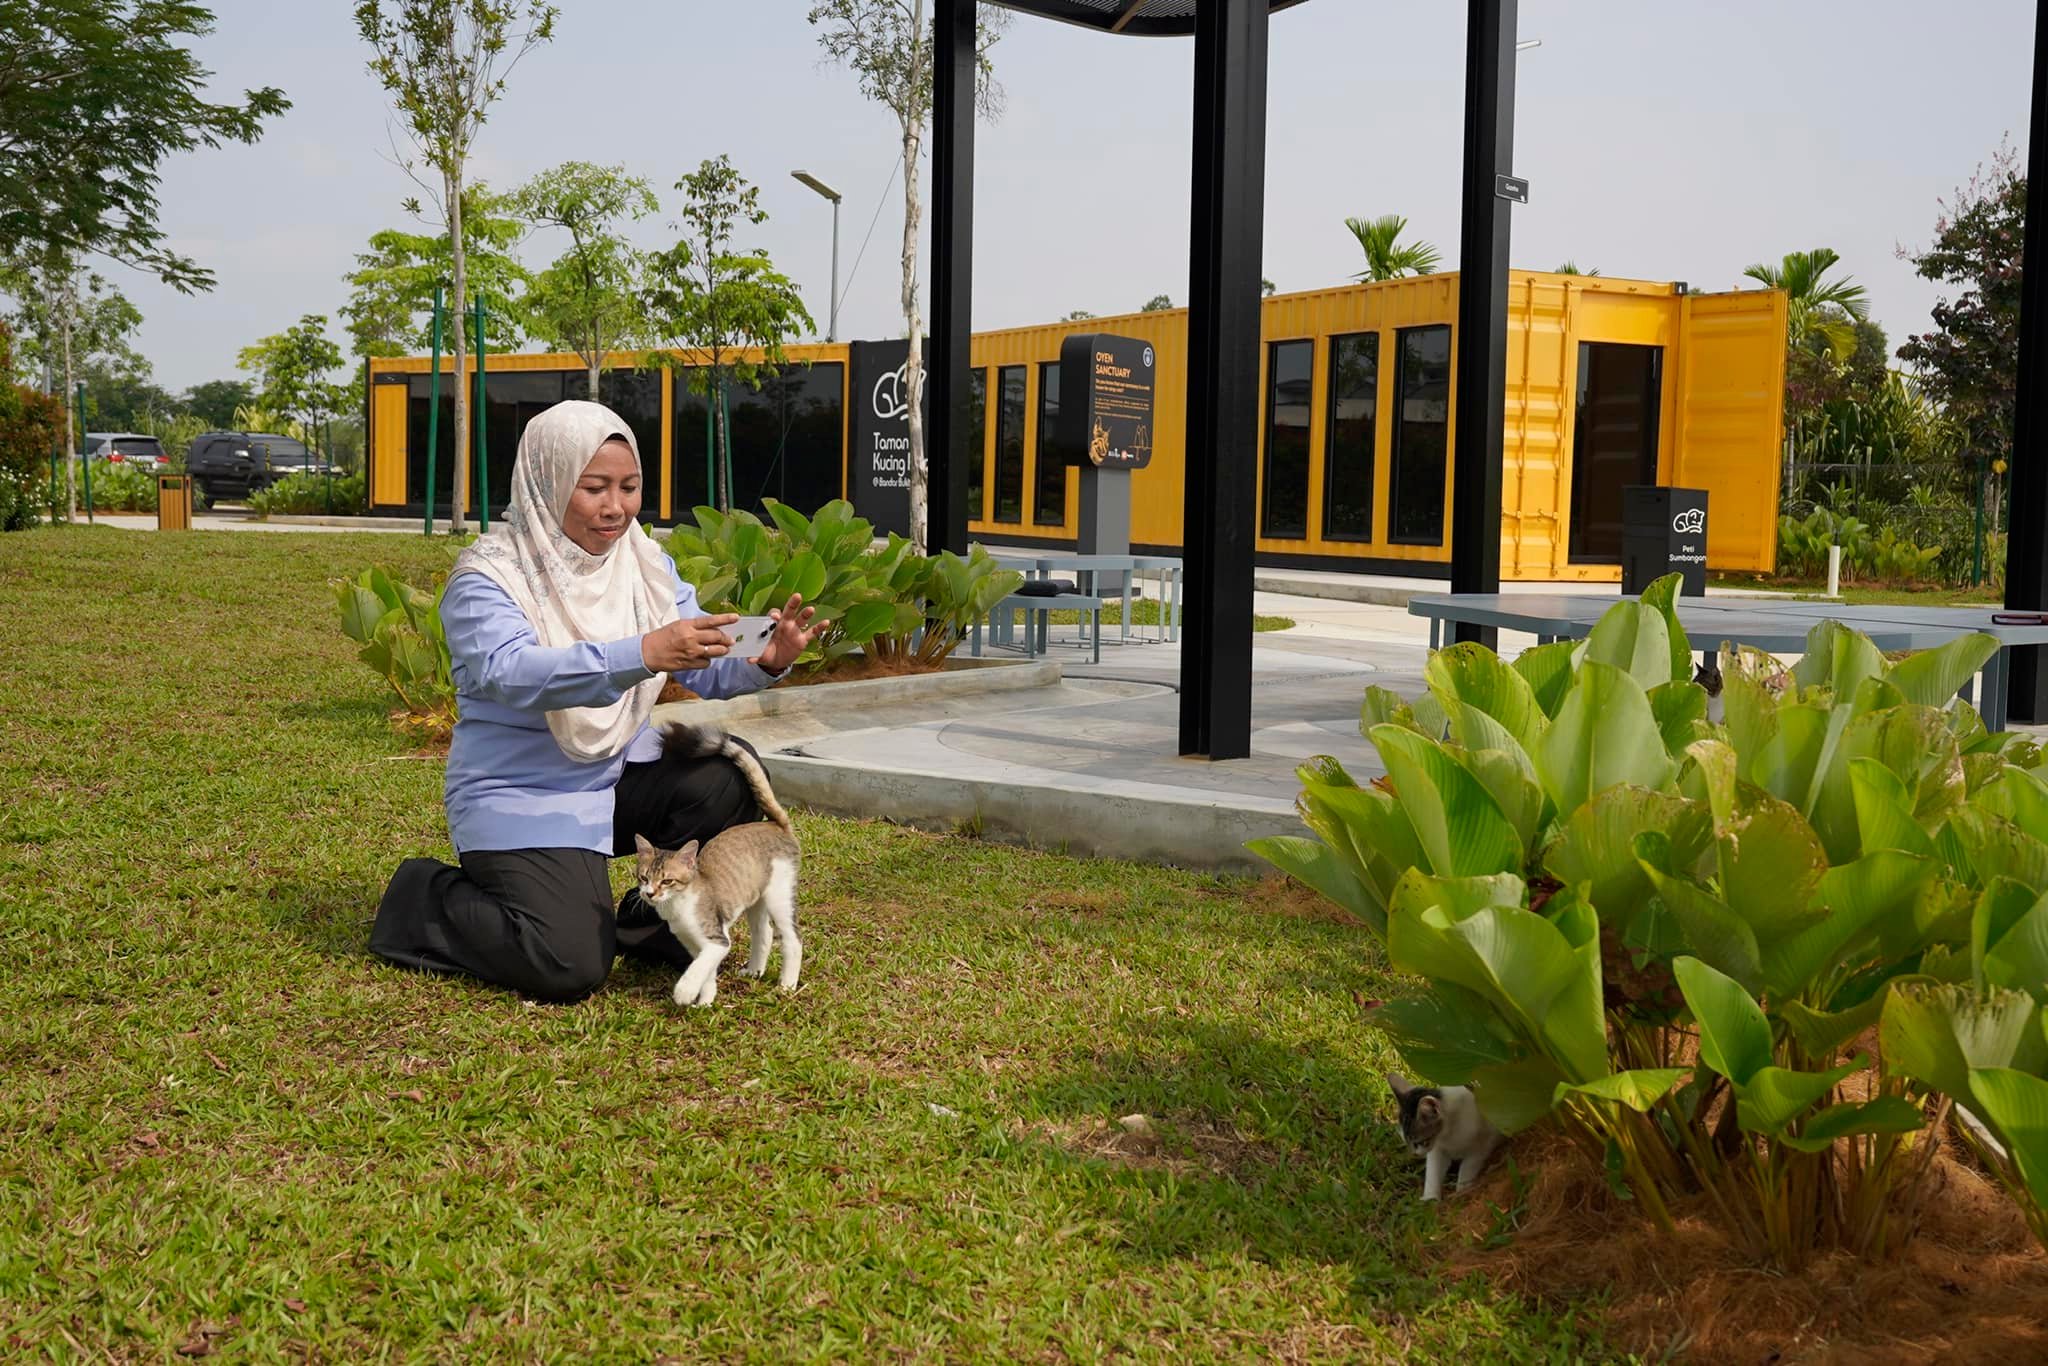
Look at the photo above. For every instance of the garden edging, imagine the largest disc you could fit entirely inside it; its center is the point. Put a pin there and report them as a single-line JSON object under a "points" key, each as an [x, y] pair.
{"points": [[959, 678]]}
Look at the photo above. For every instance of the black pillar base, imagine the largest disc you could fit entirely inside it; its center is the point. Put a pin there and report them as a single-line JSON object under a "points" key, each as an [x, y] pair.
{"points": [[1482, 343], [950, 417], [1227, 235], [2026, 551]]}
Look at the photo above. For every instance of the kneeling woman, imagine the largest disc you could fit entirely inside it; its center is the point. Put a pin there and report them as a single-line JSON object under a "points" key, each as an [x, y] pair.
{"points": [[561, 622]]}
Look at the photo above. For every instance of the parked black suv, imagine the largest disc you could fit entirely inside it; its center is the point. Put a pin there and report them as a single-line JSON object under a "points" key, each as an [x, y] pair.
{"points": [[236, 464]]}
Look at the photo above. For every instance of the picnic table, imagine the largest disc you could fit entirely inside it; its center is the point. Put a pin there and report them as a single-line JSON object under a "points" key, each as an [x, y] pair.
{"points": [[1096, 577], [1778, 627]]}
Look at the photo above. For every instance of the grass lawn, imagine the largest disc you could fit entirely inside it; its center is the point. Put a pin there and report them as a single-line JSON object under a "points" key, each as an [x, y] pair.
{"points": [[227, 1129]]}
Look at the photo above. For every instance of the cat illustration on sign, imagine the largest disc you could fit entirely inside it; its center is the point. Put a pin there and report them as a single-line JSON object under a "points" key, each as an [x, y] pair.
{"points": [[1098, 444], [1690, 522]]}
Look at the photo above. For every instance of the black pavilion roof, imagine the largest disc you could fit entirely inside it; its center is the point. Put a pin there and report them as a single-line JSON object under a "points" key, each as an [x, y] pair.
{"points": [[1149, 18]]}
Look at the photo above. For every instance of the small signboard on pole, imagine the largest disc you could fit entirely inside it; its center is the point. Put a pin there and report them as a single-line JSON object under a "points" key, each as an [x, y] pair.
{"points": [[1108, 425]]}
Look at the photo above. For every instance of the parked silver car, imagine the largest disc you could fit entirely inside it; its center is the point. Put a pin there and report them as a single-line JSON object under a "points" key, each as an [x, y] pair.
{"points": [[146, 453]]}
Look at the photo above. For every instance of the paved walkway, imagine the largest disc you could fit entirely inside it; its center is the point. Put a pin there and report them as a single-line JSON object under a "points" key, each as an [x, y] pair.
{"points": [[1092, 766]]}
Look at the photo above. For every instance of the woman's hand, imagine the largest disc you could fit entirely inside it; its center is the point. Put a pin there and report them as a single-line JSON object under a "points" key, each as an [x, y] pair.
{"points": [[682, 646], [793, 635]]}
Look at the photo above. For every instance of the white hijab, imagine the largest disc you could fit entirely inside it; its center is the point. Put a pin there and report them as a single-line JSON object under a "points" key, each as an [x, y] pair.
{"points": [[567, 593]]}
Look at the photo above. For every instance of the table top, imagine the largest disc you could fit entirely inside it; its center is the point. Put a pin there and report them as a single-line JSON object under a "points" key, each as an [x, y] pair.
{"points": [[1751, 621]]}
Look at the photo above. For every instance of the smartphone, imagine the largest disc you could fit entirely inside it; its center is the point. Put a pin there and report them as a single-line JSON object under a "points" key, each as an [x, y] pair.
{"points": [[749, 635]]}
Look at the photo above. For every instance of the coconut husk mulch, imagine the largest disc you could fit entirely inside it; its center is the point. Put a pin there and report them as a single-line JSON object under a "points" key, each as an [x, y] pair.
{"points": [[1971, 1286]]}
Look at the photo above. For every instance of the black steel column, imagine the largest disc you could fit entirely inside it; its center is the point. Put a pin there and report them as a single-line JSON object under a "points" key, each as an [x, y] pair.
{"points": [[948, 422], [1482, 343], [2026, 546], [1227, 232]]}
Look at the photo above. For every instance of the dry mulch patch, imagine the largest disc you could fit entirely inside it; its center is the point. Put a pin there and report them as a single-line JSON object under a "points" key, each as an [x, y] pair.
{"points": [[1971, 1286]]}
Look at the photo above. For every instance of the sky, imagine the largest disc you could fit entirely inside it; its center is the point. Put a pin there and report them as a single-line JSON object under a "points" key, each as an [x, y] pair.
{"points": [[1662, 139]]}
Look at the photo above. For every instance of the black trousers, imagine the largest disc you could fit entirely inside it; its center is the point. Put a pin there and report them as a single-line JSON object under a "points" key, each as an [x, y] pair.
{"points": [[540, 921]]}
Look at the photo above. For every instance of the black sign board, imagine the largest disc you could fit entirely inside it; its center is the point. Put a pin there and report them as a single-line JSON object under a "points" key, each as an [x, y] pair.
{"points": [[1107, 421], [1663, 531], [878, 434], [1512, 188]]}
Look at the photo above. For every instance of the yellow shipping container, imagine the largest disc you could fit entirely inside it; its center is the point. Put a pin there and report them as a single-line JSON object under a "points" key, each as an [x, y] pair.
{"points": [[1609, 382]]}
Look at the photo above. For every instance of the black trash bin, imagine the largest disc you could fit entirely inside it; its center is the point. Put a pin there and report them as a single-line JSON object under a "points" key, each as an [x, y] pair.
{"points": [[1663, 531]]}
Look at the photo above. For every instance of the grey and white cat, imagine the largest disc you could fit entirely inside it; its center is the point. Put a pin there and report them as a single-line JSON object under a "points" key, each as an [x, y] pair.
{"points": [[1443, 1126], [747, 870], [1708, 676]]}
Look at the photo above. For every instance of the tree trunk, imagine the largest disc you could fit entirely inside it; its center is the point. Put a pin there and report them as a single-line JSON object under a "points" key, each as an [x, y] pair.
{"points": [[453, 188], [70, 407], [721, 445], [594, 369], [913, 372]]}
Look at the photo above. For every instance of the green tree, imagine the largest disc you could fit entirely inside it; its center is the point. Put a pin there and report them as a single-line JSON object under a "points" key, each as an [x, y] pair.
{"points": [[390, 306], [214, 402], [64, 315], [95, 95], [49, 293], [588, 300], [30, 423], [1386, 256], [1814, 377], [1568, 268], [1821, 313], [888, 44], [120, 398], [294, 372], [1078, 315], [1158, 303], [1966, 360], [440, 60], [708, 299], [1267, 289]]}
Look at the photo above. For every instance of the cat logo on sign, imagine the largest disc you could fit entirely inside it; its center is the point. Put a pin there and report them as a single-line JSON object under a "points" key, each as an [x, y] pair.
{"points": [[891, 402], [1690, 522]]}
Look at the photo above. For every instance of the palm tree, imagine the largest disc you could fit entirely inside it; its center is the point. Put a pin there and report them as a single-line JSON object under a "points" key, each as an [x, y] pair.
{"points": [[1569, 268], [1385, 258], [1821, 315]]}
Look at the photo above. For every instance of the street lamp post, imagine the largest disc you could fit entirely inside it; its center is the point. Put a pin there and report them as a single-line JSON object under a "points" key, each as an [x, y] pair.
{"points": [[832, 326]]}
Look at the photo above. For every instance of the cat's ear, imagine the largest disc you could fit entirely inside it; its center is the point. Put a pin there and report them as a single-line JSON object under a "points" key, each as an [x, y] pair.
{"points": [[687, 855], [646, 849], [1400, 1084], [1428, 1108]]}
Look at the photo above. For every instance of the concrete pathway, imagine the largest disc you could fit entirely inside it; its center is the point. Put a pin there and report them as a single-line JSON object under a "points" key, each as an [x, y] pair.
{"points": [[235, 519], [1092, 766]]}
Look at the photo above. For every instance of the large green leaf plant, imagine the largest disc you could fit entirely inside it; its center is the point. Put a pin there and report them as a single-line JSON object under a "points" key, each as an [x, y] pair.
{"points": [[1678, 940], [881, 600]]}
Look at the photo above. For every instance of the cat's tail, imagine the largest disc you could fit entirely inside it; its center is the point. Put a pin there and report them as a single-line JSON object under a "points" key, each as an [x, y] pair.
{"points": [[680, 741]]}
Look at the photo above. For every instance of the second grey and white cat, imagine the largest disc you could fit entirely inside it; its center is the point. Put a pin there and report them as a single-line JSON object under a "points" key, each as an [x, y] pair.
{"points": [[1443, 1126], [746, 870]]}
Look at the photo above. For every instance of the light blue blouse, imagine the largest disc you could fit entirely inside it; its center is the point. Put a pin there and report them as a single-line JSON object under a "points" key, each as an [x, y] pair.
{"points": [[509, 785]]}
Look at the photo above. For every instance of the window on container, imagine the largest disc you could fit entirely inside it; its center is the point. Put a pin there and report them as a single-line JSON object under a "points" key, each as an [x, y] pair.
{"points": [[416, 419], [635, 395], [785, 439], [1049, 498], [1009, 480], [1614, 441], [515, 398], [1290, 379], [1348, 449], [1422, 420], [976, 453], [690, 440]]}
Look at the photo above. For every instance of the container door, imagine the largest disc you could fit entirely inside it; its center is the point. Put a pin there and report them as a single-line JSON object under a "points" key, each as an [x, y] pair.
{"points": [[1731, 419]]}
